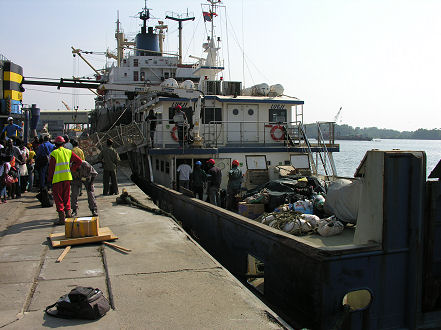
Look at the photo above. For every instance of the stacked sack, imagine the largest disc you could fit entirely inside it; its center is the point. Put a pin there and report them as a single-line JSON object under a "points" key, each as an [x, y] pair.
{"points": [[298, 218]]}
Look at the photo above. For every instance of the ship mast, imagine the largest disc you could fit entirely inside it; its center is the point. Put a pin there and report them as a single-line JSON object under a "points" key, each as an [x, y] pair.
{"points": [[121, 42], [144, 15], [180, 20], [208, 69]]}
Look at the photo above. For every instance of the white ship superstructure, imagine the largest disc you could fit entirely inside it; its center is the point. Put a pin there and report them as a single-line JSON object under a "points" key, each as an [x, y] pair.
{"points": [[259, 126]]}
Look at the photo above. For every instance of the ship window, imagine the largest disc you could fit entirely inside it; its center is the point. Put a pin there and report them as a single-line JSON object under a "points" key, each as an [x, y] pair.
{"points": [[211, 114], [142, 75], [277, 115], [125, 74], [235, 112], [166, 75], [157, 164], [135, 62], [135, 75], [167, 167], [124, 61], [162, 166], [250, 112]]}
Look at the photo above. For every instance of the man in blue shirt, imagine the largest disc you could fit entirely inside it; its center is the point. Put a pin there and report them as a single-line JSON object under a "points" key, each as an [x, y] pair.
{"points": [[42, 160], [11, 129]]}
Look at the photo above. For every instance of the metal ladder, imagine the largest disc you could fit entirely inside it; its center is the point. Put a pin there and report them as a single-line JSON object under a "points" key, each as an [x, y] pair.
{"points": [[308, 145], [324, 154]]}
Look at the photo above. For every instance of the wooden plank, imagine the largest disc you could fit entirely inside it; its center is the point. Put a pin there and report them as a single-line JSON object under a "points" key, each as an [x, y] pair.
{"points": [[62, 255], [117, 246], [104, 234]]}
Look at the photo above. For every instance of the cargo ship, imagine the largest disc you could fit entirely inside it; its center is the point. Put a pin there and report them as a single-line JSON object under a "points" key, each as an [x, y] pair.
{"points": [[382, 273]]}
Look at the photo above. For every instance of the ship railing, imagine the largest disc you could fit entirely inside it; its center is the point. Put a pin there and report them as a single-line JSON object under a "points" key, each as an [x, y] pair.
{"points": [[217, 133]]}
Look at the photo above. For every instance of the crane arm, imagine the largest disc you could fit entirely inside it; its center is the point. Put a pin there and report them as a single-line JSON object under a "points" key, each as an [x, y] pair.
{"points": [[65, 104], [78, 52]]}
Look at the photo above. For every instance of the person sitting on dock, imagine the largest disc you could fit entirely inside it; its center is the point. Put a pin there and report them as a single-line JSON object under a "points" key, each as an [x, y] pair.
{"points": [[214, 181], [110, 159], [180, 120], [85, 174], [11, 129], [234, 182], [61, 176], [198, 179]]}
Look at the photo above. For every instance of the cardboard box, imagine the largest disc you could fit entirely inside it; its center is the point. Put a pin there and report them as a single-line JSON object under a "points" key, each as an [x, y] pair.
{"points": [[81, 227], [251, 211]]}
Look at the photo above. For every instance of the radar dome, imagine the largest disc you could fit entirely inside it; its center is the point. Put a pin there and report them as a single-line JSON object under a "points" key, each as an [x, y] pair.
{"points": [[276, 90], [187, 84], [261, 89], [170, 82]]}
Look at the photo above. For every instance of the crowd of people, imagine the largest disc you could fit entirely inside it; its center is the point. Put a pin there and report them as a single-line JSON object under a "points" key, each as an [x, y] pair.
{"points": [[197, 179], [57, 165]]}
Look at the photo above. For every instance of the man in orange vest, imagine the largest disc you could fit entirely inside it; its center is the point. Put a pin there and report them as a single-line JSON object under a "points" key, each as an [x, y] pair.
{"points": [[60, 176]]}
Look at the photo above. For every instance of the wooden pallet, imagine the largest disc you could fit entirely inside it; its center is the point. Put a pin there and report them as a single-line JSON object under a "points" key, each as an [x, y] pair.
{"points": [[104, 234]]}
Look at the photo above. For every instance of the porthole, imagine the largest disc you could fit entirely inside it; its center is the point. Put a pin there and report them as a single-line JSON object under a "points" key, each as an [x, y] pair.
{"points": [[250, 112], [235, 112]]}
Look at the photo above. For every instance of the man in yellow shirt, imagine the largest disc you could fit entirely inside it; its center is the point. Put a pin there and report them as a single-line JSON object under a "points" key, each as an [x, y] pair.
{"points": [[77, 150]]}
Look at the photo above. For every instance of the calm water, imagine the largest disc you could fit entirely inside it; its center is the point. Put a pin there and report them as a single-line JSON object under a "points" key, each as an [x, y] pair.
{"points": [[352, 152]]}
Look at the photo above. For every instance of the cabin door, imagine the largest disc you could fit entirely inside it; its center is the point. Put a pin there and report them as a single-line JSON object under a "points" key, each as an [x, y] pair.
{"points": [[242, 123]]}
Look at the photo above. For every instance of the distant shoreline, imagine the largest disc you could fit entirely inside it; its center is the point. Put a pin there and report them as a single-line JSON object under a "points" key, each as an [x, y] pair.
{"points": [[376, 133]]}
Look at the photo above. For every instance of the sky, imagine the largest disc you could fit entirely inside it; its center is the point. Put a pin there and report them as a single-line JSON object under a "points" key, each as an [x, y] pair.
{"points": [[377, 59]]}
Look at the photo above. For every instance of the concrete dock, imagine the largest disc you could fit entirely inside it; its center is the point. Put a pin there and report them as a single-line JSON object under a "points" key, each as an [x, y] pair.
{"points": [[167, 281]]}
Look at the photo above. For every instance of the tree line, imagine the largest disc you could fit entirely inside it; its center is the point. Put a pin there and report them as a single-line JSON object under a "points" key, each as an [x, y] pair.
{"points": [[375, 132]]}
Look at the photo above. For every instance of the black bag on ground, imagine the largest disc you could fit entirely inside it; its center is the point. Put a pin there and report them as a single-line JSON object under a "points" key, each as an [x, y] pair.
{"points": [[80, 303], [45, 198]]}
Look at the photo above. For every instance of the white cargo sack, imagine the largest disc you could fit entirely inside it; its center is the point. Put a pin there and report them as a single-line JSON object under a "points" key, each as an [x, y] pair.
{"points": [[343, 198], [330, 227]]}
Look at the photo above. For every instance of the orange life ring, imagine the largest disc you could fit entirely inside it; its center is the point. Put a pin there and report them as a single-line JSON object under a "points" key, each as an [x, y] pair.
{"points": [[273, 133], [173, 134]]}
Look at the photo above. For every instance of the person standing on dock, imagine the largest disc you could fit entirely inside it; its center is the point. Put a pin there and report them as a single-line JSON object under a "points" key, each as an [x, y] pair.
{"points": [[214, 181], [184, 171], [67, 144], [42, 160], [110, 159], [234, 183], [85, 174], [61, 176], [14, 151], [198, 179], [77, 150], [180, 120], [12, 130]]}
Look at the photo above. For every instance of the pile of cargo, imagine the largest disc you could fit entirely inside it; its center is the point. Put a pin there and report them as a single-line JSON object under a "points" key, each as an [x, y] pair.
{"points": [[301, 205]]}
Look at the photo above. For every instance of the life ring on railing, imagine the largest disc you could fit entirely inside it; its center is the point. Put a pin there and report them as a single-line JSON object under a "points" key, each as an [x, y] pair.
{"points": [[275, 135], [173, 133]]}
